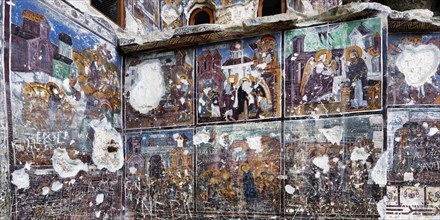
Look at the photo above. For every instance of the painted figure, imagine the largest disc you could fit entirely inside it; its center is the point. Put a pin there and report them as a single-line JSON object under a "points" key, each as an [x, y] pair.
{"points": [[317, 81], [357, 76], [55, 108]]}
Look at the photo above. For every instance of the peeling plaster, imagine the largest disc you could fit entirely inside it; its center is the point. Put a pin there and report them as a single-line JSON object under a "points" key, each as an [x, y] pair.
{"points": [[64, 165], [149, 87], [20, 179], [418, 64], [107, 146]]}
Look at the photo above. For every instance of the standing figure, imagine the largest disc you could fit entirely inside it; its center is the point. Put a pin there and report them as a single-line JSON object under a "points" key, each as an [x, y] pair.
{"points": [[250, 191], [357, 76], [54, 107]]}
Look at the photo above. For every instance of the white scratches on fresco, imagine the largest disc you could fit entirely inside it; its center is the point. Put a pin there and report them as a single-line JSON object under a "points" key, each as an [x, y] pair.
{"points": [[333, 135], [64, 165], [418, 64], [149, 87], [20, 178], [107, 146]]}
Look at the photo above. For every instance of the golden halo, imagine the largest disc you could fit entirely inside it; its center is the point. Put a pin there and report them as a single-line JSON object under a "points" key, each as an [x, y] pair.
{"points": [[55, 85], [233, 78], [183, 75], [244, 79], [324, 51], [351, 48], [242, 166]]}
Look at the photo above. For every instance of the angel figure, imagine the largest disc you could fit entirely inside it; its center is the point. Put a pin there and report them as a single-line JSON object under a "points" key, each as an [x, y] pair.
{"points": [[317, 78]]}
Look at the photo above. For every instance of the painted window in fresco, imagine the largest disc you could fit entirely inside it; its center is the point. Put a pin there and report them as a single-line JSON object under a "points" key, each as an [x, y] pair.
{"points": [[159, 174], [160, 89], [239, 80], [330, 166], [65, 90], [333, 69], [413, 172], [413, 69], [238, 167]]}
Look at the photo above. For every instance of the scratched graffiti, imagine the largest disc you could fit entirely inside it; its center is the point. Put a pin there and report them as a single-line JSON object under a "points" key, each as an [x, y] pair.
{"points": [[329, 164], [159, 174], [65, 89], [238, 167], [413, 137]]}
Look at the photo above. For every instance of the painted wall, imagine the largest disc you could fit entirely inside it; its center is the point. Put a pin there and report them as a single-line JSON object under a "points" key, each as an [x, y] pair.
{"points": [[65, 103], [238, 129]]}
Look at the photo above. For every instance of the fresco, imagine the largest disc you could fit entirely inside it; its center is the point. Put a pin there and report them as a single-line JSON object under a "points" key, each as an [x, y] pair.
{"points": [[238, 167], [146, 13], [159, 174], [4, 149], [239, 80], [66, 107], [172, 13], [413, 69], [222, 3], [334, 68], [330, 166], [413, 177], [160, 89], [313, 7]]}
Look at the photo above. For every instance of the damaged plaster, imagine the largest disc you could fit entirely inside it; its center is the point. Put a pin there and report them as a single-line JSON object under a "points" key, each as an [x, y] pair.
{"points": [[65, 166], [107, 146]]}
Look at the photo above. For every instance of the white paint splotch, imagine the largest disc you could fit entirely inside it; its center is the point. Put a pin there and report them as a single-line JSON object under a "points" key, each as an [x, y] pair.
{"points": [[359, 154], [20, 178], [333, 135], [255, 144], [418, 64], [379, 172], [201, 137], [149, 87], [64, 165], [322, 162], [107, 146]]}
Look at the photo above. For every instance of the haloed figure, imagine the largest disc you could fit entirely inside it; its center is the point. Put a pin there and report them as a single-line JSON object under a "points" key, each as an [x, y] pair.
{"points": [[55, 108], [357, 76]]}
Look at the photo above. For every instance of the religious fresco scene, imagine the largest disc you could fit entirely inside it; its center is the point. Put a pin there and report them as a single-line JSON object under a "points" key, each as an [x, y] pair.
{"points": [[159, 89], [333, 69], [413, 171], [313, 7], [159, 174], [332, 167], [239, 80], [238, 167], [407, 83], [145, 13], [173, 13], [66, 107]]}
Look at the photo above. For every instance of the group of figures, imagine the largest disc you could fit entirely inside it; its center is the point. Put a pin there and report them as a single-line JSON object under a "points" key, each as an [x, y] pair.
{"points": [[63, 80], [325, 76]]}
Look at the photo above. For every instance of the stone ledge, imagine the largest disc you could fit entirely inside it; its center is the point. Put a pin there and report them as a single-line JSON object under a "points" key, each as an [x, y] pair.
{"points": [[414, 21]]}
